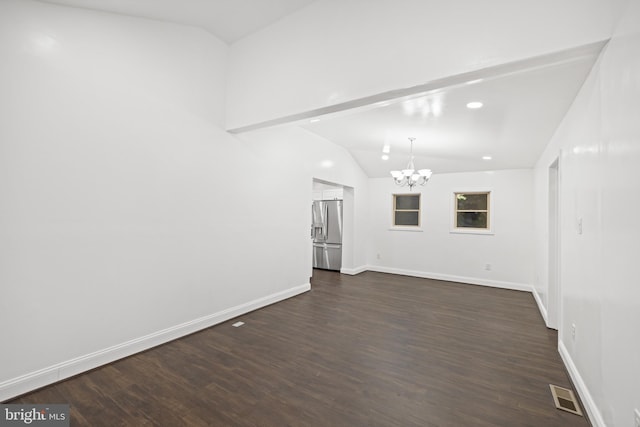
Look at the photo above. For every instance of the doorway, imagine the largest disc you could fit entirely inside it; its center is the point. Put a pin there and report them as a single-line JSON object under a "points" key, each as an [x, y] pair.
{"points": [[331, 225], [553, 299]]}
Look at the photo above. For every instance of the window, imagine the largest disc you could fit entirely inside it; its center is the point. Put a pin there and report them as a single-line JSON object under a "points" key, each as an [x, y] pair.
{"points": [[406, 210], [472, 211]]}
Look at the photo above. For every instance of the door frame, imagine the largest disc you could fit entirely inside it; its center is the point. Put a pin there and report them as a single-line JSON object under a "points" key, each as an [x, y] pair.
{"points": [[554, 300]]}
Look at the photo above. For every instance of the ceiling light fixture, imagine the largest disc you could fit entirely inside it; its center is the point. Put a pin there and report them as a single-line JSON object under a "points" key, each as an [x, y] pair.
{"points": [[486, 157], [474, 105], [386, 148], [314, 120], [409, 177], [385, 157]]}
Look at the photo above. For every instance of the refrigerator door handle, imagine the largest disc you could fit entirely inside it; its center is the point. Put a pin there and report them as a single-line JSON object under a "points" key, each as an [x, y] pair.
{"points": [[326, 221], [317, 228]]}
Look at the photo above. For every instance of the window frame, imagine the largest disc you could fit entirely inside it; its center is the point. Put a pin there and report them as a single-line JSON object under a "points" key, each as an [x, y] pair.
{"points": [[454, 211], [394, 226]]}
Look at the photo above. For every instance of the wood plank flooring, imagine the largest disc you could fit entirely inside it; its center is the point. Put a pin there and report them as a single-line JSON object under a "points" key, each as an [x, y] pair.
{"points": [[368, 350]]}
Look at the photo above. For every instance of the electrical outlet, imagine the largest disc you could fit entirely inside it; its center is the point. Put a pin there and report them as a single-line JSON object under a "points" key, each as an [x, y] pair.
{"points": [[487, 267], [636, 414], [573, 331]]}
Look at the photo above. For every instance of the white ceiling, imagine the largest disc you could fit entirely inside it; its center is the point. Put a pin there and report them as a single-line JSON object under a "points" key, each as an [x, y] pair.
{"points": [[523, 102], [229, 20], [520, 113]]}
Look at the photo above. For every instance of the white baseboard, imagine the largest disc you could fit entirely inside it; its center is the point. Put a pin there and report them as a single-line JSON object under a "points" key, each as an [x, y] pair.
{"points": [[354, 271], [587, 400], [451, 278], [541, 307], [33, 380]]}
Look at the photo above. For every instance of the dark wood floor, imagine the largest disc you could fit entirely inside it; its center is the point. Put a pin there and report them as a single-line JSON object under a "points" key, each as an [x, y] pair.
{"points": [[367, 350]]}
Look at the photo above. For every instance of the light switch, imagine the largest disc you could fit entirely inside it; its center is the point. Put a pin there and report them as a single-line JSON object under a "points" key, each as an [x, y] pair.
{"points": [[579, 225]]}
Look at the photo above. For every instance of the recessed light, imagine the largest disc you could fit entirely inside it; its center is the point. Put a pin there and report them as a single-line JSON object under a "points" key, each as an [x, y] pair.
{"points": [[474, 105], [314, 120], [386, 148], [486, 157], [326, 164], [472, 82], [385, 157]]}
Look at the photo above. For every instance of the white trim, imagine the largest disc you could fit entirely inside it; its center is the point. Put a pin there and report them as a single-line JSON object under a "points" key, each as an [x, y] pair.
{"points": [[471, 231], [33, 380], [395, 227], [398, 228], [462, 230], [541, 307], [587, 400], [451, 278], [354, 271], [553, 245]]}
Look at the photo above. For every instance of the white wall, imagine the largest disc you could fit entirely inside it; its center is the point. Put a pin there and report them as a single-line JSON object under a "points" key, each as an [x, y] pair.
{"points": [[124, 221], [303, 155], [123, 224], [599, 147], [335, 51], [436, 252]]}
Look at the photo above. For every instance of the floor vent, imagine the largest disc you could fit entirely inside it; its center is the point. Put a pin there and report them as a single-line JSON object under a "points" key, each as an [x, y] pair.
{"points": [[565, 399]]}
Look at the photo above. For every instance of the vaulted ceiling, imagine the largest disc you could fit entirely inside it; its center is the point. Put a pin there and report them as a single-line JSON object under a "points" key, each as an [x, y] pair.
{"points": [[520, 110], [522, 103], [229, 20]]}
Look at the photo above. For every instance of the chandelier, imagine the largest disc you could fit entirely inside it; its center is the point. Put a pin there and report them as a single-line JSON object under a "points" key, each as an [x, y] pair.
{"points": [[410, 176]]}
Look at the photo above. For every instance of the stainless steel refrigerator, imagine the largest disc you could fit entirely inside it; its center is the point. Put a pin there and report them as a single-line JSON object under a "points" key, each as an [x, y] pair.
{"points": [[326, 231]]}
